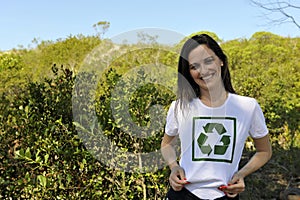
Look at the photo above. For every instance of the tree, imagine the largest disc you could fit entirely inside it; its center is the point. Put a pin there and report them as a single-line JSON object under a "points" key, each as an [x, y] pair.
{"points": [[285, 9], [103, 26]]}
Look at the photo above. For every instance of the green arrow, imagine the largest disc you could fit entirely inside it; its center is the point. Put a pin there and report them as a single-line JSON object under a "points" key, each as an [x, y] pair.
{"points": [[226, 139], [220, 149], [220, 129], [208, 128], [202, 139], [206, 149]]}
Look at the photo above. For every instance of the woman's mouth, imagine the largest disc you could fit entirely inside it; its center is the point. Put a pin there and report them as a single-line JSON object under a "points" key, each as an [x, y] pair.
{"points": [[207, 77]]}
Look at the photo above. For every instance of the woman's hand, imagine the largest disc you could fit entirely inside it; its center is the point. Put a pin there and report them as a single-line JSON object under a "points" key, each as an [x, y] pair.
{"points": [[235, 186], [261, 157], [177, 178]]}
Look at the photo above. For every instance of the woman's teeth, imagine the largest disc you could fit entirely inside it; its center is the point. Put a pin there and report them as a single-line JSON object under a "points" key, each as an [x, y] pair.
{"points": [[206, 77]]}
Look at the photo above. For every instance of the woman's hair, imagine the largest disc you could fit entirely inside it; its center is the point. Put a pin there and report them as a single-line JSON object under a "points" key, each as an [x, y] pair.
{"points": [[187, 87]]}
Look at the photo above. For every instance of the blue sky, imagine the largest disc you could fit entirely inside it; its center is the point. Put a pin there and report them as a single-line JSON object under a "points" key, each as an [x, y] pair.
{"points": [[22, 21]]}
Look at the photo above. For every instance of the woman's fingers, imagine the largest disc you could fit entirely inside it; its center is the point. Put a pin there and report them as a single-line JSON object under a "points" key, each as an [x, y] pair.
{"points": [[177, 178], [232, 195], [176, 186], [235, 186], [233, 189], [176, 183]]}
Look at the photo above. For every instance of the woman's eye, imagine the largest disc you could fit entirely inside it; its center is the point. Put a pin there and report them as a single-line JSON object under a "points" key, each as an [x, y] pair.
{"points": [[193, 67], [209, 61]]}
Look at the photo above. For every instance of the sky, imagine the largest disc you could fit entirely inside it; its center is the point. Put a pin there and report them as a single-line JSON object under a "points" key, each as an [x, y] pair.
{"points": [[22, 21]]}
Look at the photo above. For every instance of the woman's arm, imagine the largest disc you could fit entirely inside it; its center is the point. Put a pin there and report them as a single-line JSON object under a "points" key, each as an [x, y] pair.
{"points": [[168, 150], [261, 157], [177, 177]]}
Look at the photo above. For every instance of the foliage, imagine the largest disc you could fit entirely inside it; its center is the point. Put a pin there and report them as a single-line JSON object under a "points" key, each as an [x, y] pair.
{"points": [[68, 52], [281, 173], [211, 34], [103, 25], [131, 106], [266, 67], [44, 156], [12, 73]]}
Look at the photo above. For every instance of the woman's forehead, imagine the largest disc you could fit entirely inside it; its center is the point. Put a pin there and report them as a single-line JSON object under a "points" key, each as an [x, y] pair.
{"points": [[200, 52]]}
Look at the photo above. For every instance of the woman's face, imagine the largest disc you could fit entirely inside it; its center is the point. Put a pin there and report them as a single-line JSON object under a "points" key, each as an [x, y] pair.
{"points": [[205, 67]]}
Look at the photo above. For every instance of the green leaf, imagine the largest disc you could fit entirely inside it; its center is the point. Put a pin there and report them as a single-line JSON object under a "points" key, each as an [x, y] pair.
{"points": [[46, 158], [28, 153], [42, 180], [37, 159], [19, 153]]}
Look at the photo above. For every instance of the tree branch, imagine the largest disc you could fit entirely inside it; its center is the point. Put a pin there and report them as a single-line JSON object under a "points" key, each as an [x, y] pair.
{"points": [[281, 7]]}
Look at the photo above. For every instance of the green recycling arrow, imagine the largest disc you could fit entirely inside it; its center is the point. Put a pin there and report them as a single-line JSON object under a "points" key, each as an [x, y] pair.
{"points": [[218, 149], [221, 149], [208, 128], [201, 140]]}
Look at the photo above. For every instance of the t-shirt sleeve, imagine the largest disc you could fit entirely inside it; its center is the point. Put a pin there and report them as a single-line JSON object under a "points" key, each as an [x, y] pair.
{"points": [[171, 127], [258, 127]]}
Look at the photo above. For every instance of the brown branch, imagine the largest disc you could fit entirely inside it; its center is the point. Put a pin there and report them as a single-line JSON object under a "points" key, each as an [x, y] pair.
{"points": [[279, 7], [290, 17]]}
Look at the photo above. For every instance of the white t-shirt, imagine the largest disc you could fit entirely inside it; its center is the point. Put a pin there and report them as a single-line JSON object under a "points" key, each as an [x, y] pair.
{"points": [[212, 140]]}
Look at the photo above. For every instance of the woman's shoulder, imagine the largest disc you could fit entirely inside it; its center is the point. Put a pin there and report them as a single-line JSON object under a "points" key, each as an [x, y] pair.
{"points": [[242, 97], [244, 100]]}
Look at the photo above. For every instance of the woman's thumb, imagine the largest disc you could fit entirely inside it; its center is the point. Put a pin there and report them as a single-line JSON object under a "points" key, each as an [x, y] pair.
{"points": [[182, 174], [234, 180]]}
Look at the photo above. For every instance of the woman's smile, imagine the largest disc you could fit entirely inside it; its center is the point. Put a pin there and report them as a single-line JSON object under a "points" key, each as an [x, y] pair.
{"points": [[205, 67], [207, 77]]}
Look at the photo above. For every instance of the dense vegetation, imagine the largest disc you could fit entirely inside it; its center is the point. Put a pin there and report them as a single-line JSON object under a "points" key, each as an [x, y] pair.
{"points": [[55, 102]]}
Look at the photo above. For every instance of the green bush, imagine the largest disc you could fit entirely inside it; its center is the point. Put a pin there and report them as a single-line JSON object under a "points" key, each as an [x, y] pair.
{"points": [[44, 155]]}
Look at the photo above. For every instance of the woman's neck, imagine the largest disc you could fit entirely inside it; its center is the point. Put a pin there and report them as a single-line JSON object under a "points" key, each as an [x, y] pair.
{"points": [[213, 98]]}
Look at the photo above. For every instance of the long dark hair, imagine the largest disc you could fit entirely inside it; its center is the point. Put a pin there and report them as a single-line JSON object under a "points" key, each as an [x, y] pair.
{"points": [[187, 88]]}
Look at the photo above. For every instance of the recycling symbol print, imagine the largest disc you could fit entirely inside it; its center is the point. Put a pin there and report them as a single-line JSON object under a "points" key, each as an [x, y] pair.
{"points": [[213, 139]]}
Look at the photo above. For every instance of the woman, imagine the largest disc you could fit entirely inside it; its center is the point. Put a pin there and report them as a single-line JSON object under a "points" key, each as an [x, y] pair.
{"points": [[212, 122]]}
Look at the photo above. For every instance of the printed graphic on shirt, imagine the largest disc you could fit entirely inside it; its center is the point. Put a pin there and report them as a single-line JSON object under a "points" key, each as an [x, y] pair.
{"points": [[213, 139]]}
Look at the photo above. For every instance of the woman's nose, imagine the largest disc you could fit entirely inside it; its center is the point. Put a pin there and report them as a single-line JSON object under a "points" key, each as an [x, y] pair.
{"points": [[202, 69]]}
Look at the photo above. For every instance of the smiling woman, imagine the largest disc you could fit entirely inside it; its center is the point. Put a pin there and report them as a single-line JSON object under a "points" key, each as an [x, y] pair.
{"points": [[202, 59], [205, 69], [212, 122]]}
